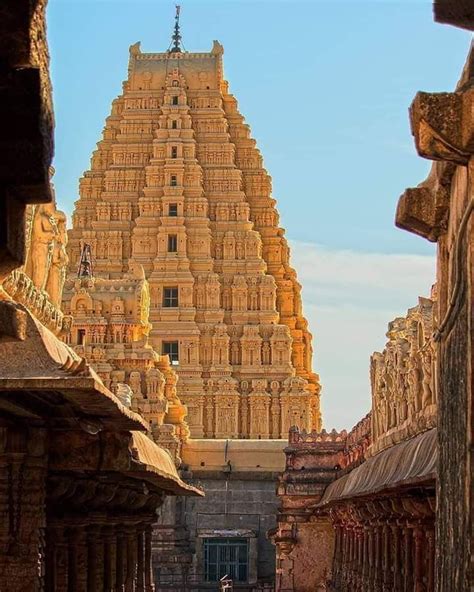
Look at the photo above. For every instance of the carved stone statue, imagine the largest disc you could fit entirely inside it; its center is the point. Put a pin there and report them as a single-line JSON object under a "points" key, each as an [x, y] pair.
{"points": [[44, 231], [59, 261]]}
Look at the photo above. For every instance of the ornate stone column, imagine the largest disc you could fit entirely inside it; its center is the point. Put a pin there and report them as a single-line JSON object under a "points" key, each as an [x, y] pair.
{"points": [[408, 560], [430, 538], [387, 559], [141, 558], [149, 587], [365, 559], [131, 563], [337, 554], [77, 560], [110, 557], [94, 558], [396, 562], [378, 559], [120, 557], [418, 539]]}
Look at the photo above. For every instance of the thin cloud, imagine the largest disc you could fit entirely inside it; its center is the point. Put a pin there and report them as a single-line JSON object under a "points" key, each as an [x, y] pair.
{"points": [[349, 297]]}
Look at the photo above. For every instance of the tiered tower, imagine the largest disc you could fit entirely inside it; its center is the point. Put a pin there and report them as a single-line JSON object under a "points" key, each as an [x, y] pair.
{"points": [[177, 185]]}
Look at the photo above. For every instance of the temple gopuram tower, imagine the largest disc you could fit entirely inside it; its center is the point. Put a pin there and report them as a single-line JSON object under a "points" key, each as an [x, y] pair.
{"points": [[177, 186]]}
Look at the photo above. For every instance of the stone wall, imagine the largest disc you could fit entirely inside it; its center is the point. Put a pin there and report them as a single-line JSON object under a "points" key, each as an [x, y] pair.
{"points": [[238, 477], [441, 209]]}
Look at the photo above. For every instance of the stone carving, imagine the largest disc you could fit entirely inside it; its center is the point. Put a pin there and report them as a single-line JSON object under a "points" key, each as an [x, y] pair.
{"points": [[403, 389]]}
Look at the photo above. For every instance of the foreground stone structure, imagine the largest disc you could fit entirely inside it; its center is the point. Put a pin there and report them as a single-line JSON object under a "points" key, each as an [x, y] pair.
{"points": [[177, 186], [80, 481]]}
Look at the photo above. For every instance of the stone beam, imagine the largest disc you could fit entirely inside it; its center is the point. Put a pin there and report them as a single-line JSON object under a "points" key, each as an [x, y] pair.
{"points": [[26, 120], [459, 13]]}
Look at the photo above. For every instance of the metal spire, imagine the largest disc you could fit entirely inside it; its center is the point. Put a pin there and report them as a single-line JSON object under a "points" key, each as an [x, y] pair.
{"points": [[85, 262], [176, 37]]}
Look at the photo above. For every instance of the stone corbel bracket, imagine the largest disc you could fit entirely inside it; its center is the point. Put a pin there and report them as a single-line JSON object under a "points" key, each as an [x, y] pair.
{"points": [[424, 210], [441, 124]]}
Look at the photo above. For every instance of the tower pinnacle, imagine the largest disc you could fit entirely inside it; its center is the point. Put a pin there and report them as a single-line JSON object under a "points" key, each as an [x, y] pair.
{"points": [[176, 37]]}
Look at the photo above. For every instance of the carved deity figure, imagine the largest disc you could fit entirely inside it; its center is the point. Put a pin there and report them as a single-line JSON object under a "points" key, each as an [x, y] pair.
{"points": [[43, 233], [135, 382], [155, 384], [59, 261]]}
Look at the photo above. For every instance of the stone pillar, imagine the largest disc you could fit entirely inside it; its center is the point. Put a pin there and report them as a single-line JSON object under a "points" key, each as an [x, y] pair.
{"points": [[378, 558], [131, 563], [22, 498], [387, 559], [371, 582], [110, 558], [408, 560], [396, 560], [149, 587], [365, 559], [430, 580], [418, 539], [56, 559], [94, 559], [76, 576], [140, 559], [360, 570], [120, 558], [337, 553]]}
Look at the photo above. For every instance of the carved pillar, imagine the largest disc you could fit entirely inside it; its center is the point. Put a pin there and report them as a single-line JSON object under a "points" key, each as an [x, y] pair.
{"points": [[338, 554], [407, 568], [121, 554], [110, 558], [387, 559], [430, 581], [365, 560], [418, 539], [345, 557], [56, 559], [396, 559], [378, 558], [140, 559], [149, 587], [360, 557], [94, 559], [347, 561], [372, 575], [131, 559], [77, 560]]}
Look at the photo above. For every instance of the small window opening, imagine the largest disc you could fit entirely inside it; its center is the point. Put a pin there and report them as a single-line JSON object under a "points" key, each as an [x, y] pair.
{"points": [[174, 152], [171, 349], [175, 101], [172, 243], [173, 209], [174, 124], [174, 181], [81, 336], [170, 297], [226, 557]]}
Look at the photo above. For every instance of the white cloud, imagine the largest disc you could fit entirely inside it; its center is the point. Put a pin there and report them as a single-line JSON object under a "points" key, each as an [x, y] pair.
{"points": [[349, 297]]}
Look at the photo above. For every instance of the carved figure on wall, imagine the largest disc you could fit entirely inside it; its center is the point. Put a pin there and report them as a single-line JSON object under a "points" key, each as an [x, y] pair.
{"points": [[43, 233], [155, 384], [59, 261]]}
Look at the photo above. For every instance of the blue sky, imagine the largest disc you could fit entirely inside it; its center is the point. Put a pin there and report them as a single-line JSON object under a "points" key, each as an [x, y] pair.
{"points": [[325, 87]]}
